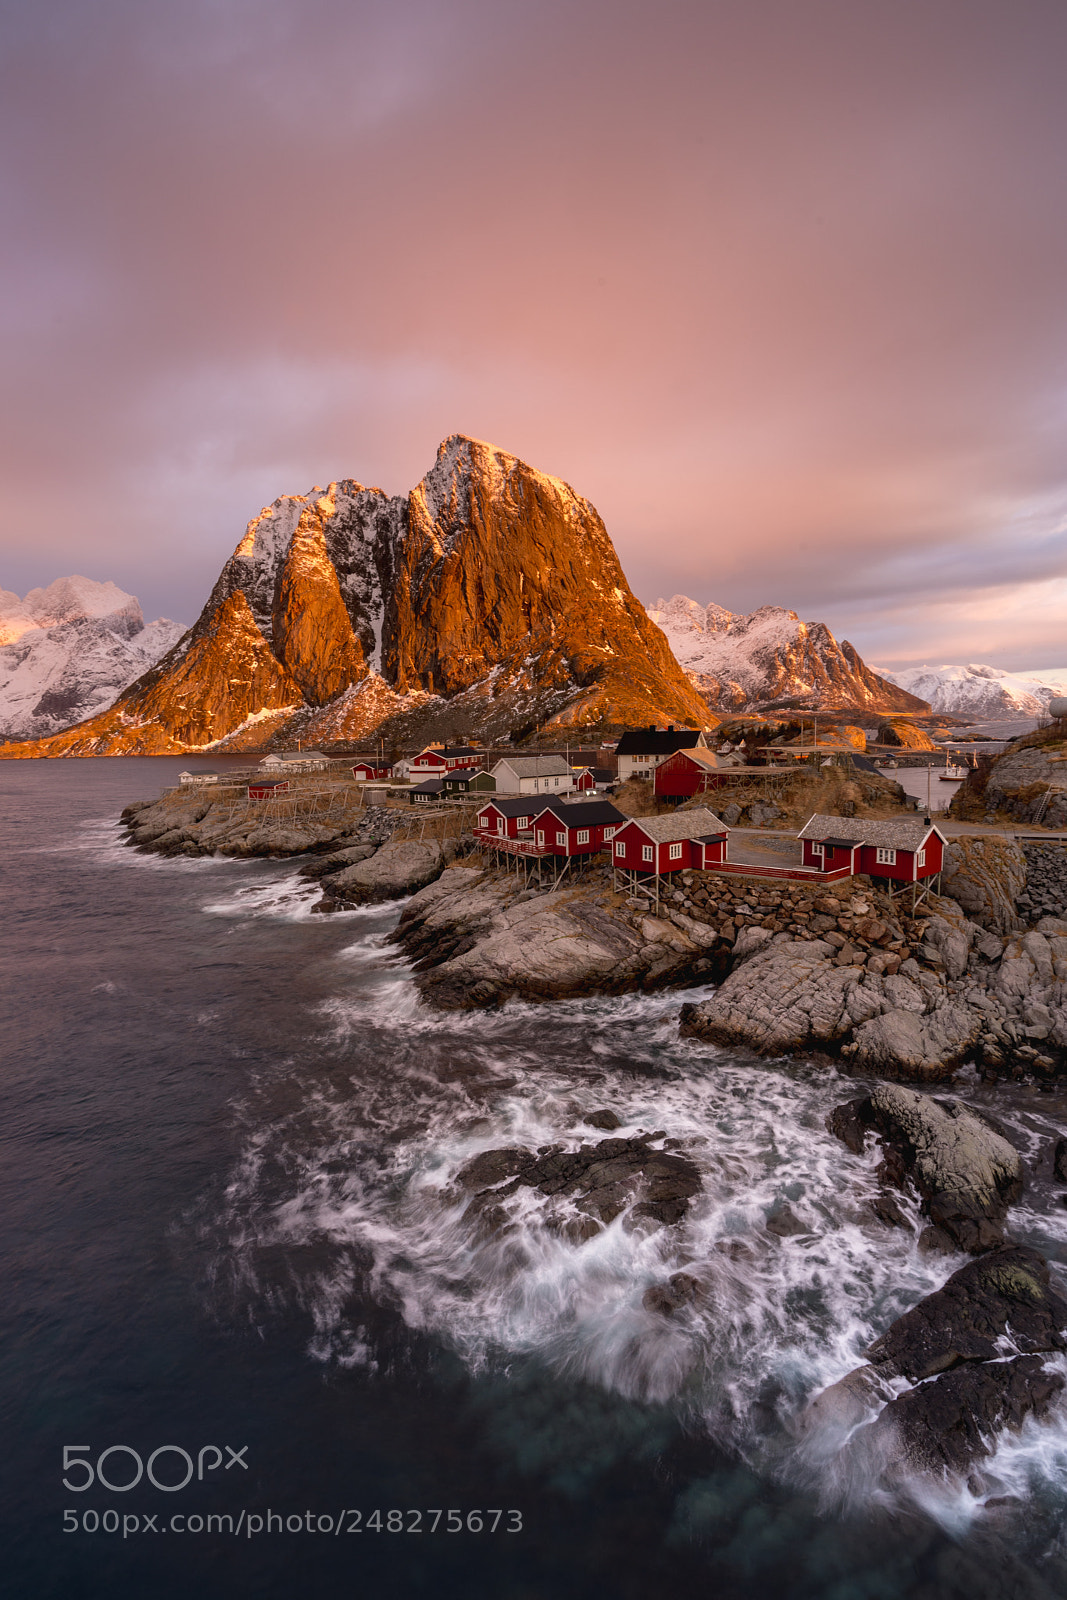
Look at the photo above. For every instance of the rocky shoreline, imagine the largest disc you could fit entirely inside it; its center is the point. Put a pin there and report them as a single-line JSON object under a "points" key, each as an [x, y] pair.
{"points": [[887, 989]]}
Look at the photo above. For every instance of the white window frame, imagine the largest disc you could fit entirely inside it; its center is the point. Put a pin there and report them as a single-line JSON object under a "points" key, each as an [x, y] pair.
{"points": [[647, 853], [818, 849], [522, 822], [561, 838], [583, 835], [620, 848], [609, 833], [920, 857], [675, 852], [884, 856]]}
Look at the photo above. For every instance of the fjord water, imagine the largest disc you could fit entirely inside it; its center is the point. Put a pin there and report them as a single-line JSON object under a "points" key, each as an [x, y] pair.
{"points": [[229, 1130]]}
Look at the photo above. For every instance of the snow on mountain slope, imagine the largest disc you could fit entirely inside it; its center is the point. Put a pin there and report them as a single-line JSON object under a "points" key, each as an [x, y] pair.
{"points": [[742, 662], [982, 691], [68, 651]]}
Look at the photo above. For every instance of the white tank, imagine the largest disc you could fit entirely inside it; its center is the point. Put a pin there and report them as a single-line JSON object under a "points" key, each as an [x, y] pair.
{"points": [[1058, 706]]}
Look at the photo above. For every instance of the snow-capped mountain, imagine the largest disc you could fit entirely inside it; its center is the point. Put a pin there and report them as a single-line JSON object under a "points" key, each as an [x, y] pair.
{"points": [[68, 651], [746, 661], [982, 692], [487, 602]]}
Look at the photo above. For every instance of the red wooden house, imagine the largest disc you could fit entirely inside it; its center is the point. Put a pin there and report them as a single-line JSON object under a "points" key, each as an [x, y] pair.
{"points": [[435, 761], [695, 839], [266, 789], [903, 849], [368, 769], [690, 772], [507, 816], [576, 827]]}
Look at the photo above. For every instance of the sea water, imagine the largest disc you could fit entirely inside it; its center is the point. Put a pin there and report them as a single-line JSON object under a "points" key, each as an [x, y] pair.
{"points": [[231, 1224]]}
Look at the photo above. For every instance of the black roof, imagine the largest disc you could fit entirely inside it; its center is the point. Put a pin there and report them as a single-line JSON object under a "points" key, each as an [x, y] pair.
{"points": [[431, 786], [863, 763], [516, 805], [641, 742], [460, 750], [582, 813], [842, 844]]}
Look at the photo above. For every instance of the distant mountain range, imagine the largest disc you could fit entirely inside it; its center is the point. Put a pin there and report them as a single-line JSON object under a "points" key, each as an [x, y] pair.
{"points": [[982, 692], [768, 657], [68, 651], [488, 602]]}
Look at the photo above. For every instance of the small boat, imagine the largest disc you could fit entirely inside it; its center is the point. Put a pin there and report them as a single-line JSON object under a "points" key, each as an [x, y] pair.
{"points": [[953, 774]]}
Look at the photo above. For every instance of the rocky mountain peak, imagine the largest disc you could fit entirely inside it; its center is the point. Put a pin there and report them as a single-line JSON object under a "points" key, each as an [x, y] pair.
{"points": [[488, 601], [745, 661]]}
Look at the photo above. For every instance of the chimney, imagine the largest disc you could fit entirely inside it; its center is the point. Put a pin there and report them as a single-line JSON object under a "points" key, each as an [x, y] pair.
{"points": [[670, 727]]}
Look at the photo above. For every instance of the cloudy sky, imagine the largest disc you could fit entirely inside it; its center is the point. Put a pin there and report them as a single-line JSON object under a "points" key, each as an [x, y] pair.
{"points": [[779, 285]]}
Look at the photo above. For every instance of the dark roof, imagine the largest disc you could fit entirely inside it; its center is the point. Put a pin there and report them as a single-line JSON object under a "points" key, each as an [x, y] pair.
{"points": [[640, 742], [431, 786], [516, 805], [582, 813], [460, 750], [863, 763], [269, 783], [841, 844]]}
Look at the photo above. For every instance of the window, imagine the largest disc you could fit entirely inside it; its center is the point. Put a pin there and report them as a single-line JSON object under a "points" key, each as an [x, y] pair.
{"points": [[675, 852], [620, 848], [646, 852], [818, 850], [583, 835], [522, 822], [561, 838], [885, 858], [609, 833], [920, 859]]}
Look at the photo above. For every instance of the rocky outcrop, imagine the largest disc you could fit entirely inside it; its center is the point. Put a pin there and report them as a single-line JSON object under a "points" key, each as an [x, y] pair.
{"points": [[489, 601], [955, 992], [478, 938], [769, 656], [972, 1353], [601, 1181], [199, 824], [396, 869], [1045, 894], [1027, 782], [905, 735], [965, 1171], [985, 875]]}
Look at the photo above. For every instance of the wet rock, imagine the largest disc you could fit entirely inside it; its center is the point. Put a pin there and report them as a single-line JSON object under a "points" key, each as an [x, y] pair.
{"points": [[1059, 1160], [1003, 1293], [948, 1425], [785, 1224], [850, 1122], [965, 1170], [493, 1166], [888, 1211], [666, 1298], [602, 1119]]}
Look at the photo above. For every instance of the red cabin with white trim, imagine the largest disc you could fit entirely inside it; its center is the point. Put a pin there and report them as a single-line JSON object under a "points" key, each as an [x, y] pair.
{"points": [[506, 817], [368, 769], [690, 839], [267, 790], [902, 849], [577, 827]]}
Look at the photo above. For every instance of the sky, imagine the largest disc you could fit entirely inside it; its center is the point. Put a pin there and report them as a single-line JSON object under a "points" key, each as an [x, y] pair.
{"points": [[779, 285]]}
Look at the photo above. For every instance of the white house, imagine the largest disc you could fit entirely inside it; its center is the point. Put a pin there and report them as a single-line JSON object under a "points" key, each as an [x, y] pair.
{"points": [[198, 777], [533, 775], [640, 750], [296, 761]]}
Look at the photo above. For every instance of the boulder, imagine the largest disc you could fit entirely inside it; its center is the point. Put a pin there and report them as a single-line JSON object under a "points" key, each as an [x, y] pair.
{"points": [[397, 869]]}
